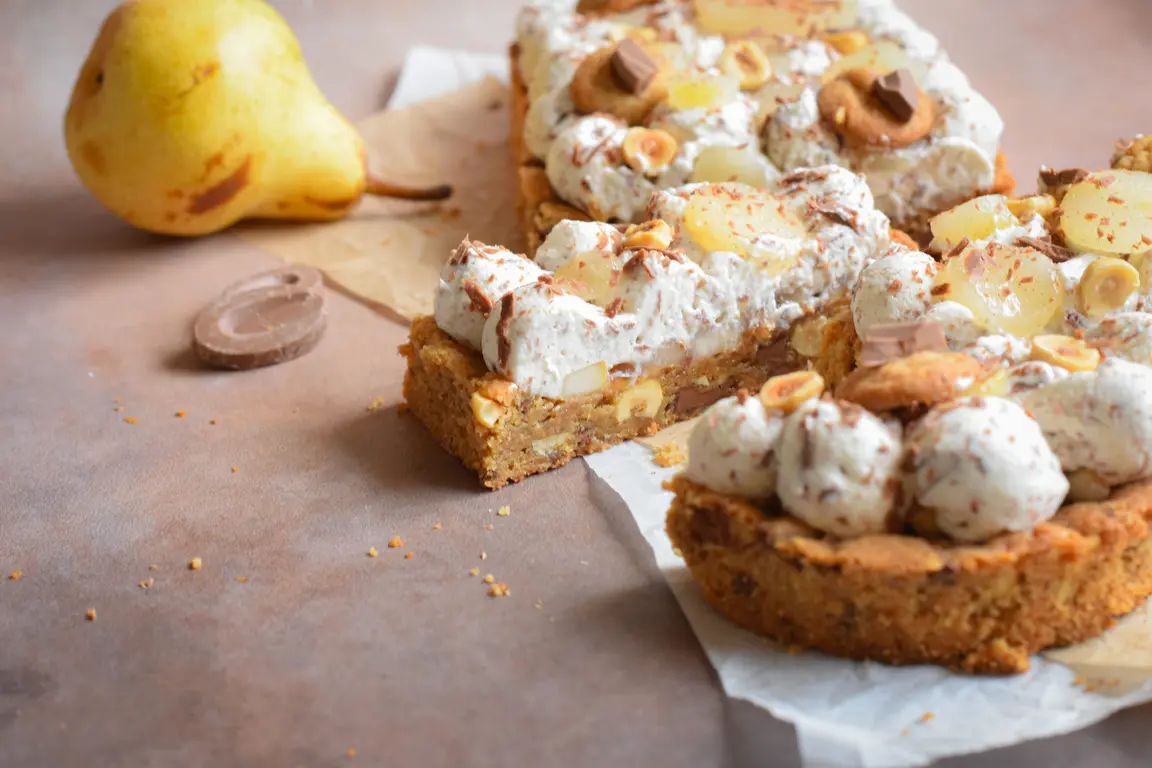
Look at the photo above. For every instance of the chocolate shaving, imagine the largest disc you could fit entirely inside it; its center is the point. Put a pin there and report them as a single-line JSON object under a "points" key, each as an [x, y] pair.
{"points": [[614, 307], [799, 177], [1057, 253], [622, 368], [885, 342], [898, 93], [480, 301], [460, 255], [632, 67], [503, 343], [956, 249], [838, 214], [637, 261], [1050, 177]]}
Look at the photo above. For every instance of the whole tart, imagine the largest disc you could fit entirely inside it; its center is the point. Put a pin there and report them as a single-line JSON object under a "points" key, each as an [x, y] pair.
{"points": [[904, 599]]}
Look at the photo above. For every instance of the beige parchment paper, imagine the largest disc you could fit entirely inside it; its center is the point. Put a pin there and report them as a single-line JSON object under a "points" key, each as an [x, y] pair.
{"points": [[388, 253]]}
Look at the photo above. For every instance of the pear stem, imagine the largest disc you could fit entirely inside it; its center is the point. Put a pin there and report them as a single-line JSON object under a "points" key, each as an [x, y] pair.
{"points": [[381, 188]]}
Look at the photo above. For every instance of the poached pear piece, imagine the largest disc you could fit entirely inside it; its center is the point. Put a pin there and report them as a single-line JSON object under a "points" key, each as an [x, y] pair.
{"points": [[190, 116]]}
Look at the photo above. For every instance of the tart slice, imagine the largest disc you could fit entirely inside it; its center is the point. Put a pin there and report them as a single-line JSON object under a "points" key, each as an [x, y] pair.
{"points": [[910, 524], [613, 332]]}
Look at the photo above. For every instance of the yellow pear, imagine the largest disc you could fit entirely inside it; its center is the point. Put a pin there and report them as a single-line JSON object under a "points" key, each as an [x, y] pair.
{"points": [[190, 115]]}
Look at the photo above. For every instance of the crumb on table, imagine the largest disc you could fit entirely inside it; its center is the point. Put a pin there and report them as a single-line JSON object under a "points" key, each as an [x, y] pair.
{"points": [[474, 572], [504, 511], [181, 414], [372, 552], [489, 578], [147, 583], [395, 542], [15, 575], [91, 615], [195, 563], [669, 455], [499, 590], [408, 555]]}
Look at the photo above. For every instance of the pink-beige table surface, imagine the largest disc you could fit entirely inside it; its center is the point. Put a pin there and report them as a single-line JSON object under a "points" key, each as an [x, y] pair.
{"points": [[284, 476]]}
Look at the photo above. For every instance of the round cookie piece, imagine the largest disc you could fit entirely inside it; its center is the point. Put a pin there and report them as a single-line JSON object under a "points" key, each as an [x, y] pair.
{"points": [[919, 380], [850, 104], [597, 87]]}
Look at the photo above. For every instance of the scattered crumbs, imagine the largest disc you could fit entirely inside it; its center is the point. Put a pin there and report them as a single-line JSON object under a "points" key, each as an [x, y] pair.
{"points": [[436, 527], [15, 575], [376, 404], [91, 615], [153, 567], [669, 455], [212, 422], [351, 752], [181, 414], [119, 409], [676, 551], [395, 542], [130, 419], [234, 470], [474, 572], [408, 555], [372, 552], [927, 716], [483, 555], [499, 590], [489, 527], [147, 583], [241, 579], [195, 563], [488, 579], [504, 511], [116, 400]]}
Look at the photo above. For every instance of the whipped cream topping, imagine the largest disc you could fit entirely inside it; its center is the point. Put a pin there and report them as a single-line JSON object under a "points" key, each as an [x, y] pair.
{"points": [[736, 451], [950, 164], [1099, 420], [661, 307], [984, 467], [471, 284], [840, 468]]}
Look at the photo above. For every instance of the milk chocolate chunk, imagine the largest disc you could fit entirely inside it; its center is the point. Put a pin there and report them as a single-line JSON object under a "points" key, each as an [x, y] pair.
{"points": [[269, 318], [888, 341], [633, 69], [1053, 178], [898, 93]]}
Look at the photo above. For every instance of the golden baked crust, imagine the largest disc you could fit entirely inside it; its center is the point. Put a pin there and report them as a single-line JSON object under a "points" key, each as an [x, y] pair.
{"points": [[909, 600], [535, 434], [919, 380]]}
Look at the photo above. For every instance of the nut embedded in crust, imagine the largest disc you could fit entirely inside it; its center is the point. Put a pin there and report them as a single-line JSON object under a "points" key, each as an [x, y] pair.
{"points": [[788, 392]]}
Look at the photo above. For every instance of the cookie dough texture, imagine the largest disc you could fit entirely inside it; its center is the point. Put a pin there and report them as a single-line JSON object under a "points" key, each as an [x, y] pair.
{"points": [[906, 600]]}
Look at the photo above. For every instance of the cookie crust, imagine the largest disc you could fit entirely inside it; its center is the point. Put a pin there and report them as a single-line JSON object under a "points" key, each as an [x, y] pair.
{"points": [[898, 599]]}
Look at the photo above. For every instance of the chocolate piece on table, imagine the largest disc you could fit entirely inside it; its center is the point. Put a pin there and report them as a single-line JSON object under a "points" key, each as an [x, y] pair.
{"points": [[898, 92], [265, 319], [633, 69], [889, 341]]}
